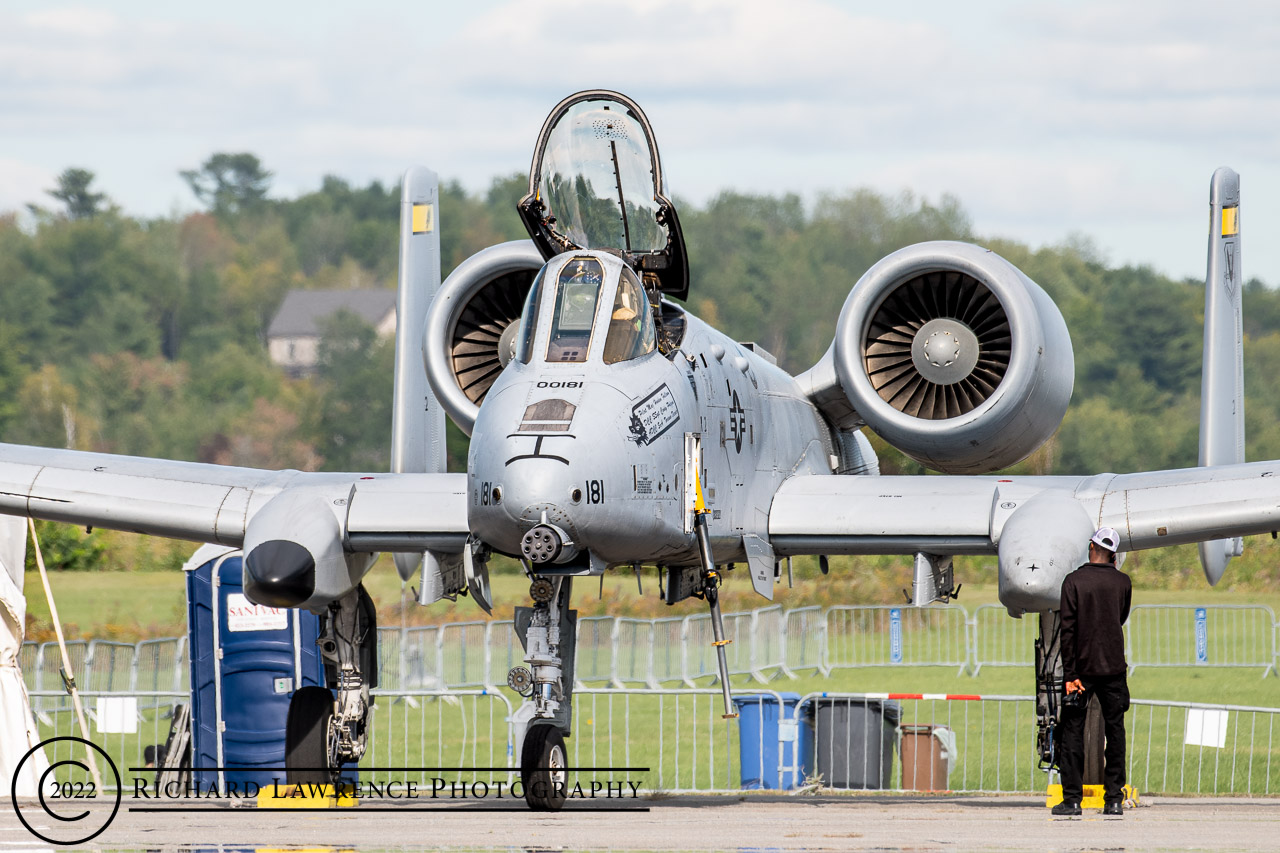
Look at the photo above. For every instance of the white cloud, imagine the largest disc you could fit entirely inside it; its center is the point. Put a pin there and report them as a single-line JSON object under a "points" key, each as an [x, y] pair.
{"points": [[1041, 118], [75, 20]]}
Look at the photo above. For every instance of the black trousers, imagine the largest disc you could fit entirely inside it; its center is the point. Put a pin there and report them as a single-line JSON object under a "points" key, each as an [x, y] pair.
{"points": [[1113, 695]]}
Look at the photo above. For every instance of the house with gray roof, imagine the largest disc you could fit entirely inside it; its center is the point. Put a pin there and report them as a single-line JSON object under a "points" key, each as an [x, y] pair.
{"points": [[293, 339]]}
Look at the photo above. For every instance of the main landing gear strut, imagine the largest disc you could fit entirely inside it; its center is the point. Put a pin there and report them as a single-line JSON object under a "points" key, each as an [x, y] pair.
{"points": [[328, 728]]}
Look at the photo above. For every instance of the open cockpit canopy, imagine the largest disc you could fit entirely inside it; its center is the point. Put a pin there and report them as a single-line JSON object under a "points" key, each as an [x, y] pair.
{"points": [[596, 183]]}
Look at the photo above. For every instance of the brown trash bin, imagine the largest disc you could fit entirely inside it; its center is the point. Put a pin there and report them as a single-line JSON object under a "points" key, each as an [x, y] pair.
{"points": [[924, 757]]}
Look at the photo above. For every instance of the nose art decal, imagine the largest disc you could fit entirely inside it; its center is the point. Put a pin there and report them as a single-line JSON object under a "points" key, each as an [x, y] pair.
{"points": [[653, 415]]}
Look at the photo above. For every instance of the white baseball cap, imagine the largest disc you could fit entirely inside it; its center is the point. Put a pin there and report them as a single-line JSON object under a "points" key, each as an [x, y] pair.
{"points": [[1107, 539]]}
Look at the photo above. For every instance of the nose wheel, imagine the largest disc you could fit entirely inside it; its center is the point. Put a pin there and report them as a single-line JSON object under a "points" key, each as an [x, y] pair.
{"points": [[544, 768]]}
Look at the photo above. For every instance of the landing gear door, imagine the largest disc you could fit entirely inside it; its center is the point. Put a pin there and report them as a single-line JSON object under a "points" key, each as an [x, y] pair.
{"points": [[692, 463]]}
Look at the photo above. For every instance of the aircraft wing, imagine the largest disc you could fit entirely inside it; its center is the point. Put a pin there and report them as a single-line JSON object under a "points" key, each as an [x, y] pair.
{"points": [[214, 503], [966, 515]]}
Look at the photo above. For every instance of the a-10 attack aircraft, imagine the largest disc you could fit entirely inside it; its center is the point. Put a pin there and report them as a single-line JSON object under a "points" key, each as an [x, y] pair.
{"points": [[611, 428]]}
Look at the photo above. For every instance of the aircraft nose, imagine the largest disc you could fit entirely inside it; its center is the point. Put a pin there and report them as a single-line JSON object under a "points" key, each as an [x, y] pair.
{"points": [[531, 510], [534, 456]]}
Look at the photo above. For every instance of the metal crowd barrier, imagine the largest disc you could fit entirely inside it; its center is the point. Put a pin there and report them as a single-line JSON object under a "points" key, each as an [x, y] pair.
{"points": [[594, 658], [675, 740], [126, 741], [996, 639], [418, 731], [804, 636], [1233, 635], [896, 636], [765, 644], [1172, 747], [678, 734], [1192, 748], [985, 743], [504, 651]]}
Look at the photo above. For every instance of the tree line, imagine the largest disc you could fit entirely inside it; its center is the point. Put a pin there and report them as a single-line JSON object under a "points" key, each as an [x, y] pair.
{"points": [[146, 336]]}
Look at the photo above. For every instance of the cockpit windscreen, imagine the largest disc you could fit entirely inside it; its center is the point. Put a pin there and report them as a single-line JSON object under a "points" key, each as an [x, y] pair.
{"points": [[577, 292], [631, 331]]}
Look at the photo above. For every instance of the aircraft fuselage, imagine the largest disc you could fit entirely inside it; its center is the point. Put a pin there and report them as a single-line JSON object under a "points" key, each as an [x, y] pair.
{"points": [[605, 451]]}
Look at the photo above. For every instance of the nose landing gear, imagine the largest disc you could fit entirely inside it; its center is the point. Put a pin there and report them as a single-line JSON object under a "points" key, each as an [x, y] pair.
{"points": [[547, 632]]}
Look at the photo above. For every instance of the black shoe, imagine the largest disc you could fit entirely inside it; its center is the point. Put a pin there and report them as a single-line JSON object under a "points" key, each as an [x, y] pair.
{"points": [[1113, 810], [1065, 809]]}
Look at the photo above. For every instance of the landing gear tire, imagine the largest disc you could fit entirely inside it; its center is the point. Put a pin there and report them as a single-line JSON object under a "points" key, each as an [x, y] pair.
{"points": [[544, 768], [306, 737]]}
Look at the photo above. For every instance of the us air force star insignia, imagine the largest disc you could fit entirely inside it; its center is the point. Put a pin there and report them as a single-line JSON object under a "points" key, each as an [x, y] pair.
{"points": [[737, 423]]}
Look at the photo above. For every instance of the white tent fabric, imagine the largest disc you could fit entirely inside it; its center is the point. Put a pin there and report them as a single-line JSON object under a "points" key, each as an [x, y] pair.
{"points": [[18, 733]]}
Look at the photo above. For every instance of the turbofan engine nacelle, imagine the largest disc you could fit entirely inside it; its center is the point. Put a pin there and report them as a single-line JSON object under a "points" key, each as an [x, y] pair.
{"points": [[293, 551], [471, 320], [952, 355]]}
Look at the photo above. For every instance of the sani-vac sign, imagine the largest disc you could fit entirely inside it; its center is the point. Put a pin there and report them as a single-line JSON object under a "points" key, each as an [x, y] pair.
{"points": [[244, 615]]}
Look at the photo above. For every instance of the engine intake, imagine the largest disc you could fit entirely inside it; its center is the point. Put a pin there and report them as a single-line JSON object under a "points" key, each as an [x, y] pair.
{"points": [[953, 356], [477, 304], [938, 346]]}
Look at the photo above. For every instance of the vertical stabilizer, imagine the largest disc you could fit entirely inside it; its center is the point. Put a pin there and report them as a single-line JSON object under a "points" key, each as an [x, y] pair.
{"points": [[1222, 373], [417, 421]]}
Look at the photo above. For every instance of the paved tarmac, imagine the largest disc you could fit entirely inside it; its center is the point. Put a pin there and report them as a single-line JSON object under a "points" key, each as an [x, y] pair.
{"points": [[730, 822]]}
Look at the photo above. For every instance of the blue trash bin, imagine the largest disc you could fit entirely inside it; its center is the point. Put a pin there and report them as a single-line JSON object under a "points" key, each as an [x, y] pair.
{"points": [[761, 731]]}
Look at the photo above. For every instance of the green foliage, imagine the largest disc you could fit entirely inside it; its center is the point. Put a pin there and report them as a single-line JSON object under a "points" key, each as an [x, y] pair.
{"points": [[148, 337], [764, 269], [66, 548], [354, 427], [73, 191], [229, 183]]}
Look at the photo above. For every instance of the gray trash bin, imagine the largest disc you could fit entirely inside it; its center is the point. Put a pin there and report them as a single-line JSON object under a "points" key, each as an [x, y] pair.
{"points": [[853, 742]]}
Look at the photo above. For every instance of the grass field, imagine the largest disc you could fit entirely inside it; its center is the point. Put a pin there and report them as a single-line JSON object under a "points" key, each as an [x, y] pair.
{"points": [[681, 738], [130, 605], [684, 744]]}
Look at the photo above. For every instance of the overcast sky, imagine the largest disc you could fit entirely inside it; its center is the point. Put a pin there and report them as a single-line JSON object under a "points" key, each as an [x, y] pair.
{"points": [[1048, 120]]}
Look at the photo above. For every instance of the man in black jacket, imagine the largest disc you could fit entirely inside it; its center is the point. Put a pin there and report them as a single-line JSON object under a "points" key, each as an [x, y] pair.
{"points": [[1094, 606]]}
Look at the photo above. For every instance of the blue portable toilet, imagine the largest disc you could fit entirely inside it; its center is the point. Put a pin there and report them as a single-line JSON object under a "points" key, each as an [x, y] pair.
{"points": [[246, 663]]}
